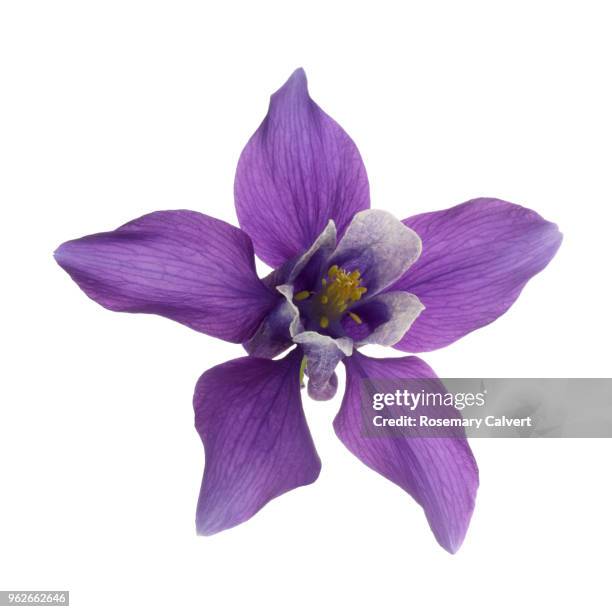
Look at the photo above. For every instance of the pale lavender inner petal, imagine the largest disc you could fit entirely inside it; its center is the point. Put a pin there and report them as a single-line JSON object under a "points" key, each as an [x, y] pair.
{"points": [[380, 246], [384, 319], [322, 354]]}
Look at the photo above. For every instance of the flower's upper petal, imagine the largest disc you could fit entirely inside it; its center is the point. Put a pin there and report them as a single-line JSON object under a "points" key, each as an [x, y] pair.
{"points": [[384, 319], [323, 353], [180, 264], [476, 259], [380, 246], [438, 472], [249, 415], [299, 170]]}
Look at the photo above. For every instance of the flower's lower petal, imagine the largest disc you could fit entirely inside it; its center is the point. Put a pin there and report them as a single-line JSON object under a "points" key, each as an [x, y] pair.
{"points": [[299, 170], [180, 264], [438, 472], [323, 353], [476, 259], [384, 319], [249, 415], [380, 246]]}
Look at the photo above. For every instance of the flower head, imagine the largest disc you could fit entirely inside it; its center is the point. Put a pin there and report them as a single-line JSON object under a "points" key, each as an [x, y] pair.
{"points": [[344, 276]]}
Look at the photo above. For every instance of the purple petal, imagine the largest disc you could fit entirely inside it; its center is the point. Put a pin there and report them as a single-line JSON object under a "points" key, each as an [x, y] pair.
{"points": [[380, 246], [476, 259], [249, 415], [180, 264], [438, 472], [299, 170]]}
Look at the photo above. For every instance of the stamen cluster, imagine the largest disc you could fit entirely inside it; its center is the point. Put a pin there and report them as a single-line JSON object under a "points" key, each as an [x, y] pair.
{"points": [[339, 290]]}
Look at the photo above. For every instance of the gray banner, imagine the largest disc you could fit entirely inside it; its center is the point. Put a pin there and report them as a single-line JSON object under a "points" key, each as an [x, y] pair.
{"points": [[34, 598], [488, 407]]}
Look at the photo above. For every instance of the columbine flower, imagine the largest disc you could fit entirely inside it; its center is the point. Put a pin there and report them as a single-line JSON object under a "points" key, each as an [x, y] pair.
{"points": [[344, 276]]}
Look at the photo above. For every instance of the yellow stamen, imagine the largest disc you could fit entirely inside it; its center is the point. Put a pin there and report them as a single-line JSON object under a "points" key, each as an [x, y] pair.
{"points": [[340, 289], [355, 318]]}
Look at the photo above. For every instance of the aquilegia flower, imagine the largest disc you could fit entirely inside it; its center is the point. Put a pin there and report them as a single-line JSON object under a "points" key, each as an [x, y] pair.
{"points": [[344, 276]]}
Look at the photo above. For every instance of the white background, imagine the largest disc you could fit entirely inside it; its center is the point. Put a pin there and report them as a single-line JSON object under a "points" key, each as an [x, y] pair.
{"points": [[109, 110]]}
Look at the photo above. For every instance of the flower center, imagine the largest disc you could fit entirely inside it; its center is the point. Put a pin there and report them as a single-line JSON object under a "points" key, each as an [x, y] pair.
{"points": [[339, 289]]}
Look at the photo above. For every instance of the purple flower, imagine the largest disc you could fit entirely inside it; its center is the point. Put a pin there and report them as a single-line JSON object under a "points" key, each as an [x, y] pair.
{"points": [[344, 276]]}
